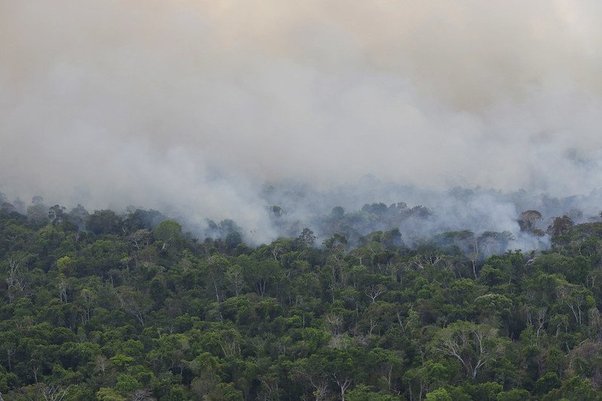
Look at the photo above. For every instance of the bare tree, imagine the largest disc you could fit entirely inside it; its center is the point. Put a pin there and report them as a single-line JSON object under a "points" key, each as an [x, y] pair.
{"points": [[344, 383], [53, 393], [134, 302], [375, 291], [142, 395], [575, 298], [15, 282], [473, 345]]}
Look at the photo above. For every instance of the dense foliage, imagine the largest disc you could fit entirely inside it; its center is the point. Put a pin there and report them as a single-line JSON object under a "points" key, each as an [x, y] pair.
{"points": [[112, 308]]}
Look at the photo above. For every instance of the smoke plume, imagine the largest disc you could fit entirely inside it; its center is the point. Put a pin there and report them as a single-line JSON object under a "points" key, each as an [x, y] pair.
{"points": [[192, 106]]}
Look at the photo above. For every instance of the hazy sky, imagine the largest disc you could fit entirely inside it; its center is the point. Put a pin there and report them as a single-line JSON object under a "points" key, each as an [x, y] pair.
{"points": [[196, 104]]}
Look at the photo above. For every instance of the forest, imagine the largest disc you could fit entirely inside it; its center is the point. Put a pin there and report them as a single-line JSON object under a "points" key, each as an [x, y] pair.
{"points": [[107, 306]]}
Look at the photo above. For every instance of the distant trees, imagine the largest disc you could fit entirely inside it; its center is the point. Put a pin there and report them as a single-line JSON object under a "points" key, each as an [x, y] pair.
{"points": [[37, 213], [103, 222], [529, 220]]}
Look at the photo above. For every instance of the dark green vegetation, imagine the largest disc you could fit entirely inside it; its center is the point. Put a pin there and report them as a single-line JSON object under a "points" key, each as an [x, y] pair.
{"points": [[106, 307]]}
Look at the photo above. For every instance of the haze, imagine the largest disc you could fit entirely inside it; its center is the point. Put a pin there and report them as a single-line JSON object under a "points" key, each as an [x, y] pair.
{"points": [[194, 106]]}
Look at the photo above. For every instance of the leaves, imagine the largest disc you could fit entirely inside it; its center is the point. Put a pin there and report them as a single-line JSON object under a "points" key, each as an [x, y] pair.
{"points": [[120, 308]]}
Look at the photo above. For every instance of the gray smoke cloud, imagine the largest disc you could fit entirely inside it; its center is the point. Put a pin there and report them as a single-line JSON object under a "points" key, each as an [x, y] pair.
{"points": [[192, 106]]}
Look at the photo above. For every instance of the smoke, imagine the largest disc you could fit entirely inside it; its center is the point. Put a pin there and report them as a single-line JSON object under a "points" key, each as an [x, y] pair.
{"points": [[191, 106]]}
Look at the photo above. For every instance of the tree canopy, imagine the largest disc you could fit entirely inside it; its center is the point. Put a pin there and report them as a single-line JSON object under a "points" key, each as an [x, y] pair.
{"points": [[109, 307]]}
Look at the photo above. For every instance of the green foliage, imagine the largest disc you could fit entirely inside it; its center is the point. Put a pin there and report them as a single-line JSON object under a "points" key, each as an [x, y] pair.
{"points": [[440, 394], [108, 394], [169, 234], [364, 393], [513, 395], [113, 308]]}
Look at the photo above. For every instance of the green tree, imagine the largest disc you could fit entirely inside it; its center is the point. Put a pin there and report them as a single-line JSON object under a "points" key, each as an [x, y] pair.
{"points": [[439, 394], [169, 234]]}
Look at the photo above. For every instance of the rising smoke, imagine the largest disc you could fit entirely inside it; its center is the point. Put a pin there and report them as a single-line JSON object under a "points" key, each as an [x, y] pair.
{"points": [[193, 106]]}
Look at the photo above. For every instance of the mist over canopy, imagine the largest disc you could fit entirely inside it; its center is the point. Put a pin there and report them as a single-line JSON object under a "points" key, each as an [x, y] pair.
{"points": [[194, 106]]}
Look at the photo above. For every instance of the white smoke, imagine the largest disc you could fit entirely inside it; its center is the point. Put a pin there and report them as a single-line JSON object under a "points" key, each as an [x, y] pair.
{"points": [[193, 105]]}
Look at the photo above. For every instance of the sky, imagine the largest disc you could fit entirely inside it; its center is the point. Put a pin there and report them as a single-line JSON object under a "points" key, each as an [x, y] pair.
{"points": [[195, 105]]}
